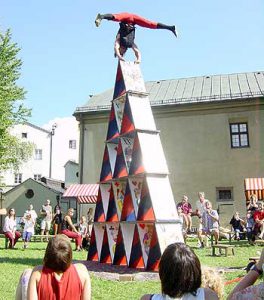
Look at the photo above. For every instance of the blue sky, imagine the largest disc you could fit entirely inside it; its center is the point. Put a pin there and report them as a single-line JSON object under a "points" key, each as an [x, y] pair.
{"points": [[66, 58]]}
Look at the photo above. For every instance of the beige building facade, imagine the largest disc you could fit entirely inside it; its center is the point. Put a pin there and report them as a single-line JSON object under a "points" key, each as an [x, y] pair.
{"points": [[212, 132]]}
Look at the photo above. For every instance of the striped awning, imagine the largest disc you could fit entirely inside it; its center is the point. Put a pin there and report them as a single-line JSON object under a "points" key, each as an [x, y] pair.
{"points": [[254, 186], [84, 193]]}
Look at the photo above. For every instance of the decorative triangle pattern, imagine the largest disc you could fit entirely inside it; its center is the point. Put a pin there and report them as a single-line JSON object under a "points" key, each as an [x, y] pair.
{"points": [[135, 216]]}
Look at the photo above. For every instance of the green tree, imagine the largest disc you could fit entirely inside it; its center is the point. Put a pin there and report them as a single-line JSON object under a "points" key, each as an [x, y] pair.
{"points": [[12, 111]]}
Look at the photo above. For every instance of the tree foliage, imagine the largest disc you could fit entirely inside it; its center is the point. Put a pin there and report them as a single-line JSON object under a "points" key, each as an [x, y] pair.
{"points": [[12, 111]]}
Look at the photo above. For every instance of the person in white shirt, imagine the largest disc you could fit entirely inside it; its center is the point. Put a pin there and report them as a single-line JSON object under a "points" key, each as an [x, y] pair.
{"points": [[200, 209], [28, 229], [32, 212], [9, 228], [46, 213]]}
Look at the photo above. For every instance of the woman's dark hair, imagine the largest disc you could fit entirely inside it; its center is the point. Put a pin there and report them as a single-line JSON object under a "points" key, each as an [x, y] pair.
{"points": [[179, 271], [58, 255], [9, 215]]}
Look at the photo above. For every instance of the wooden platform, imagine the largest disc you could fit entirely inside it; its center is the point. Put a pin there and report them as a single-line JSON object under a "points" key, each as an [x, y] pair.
{"points": [[228, 249], [259, 242]]}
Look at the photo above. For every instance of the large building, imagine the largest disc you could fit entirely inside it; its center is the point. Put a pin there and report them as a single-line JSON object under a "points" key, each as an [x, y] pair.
{"points": [[211, 131], [53, 146]]}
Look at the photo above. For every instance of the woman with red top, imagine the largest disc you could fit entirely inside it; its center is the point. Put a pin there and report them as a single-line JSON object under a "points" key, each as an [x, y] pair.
{"points": [[69, 229], [10, 228], [258, 217], [58, 278]]}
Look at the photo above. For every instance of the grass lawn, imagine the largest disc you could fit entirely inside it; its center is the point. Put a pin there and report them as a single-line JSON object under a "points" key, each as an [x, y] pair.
{"points": [[13, 262]]}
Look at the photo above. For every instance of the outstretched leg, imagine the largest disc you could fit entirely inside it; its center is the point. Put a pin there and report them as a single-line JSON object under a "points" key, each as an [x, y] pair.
{"points": [[134, 19]]}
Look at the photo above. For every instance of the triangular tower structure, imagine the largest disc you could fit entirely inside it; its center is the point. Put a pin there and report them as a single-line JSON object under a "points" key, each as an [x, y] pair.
{"points": [[135, 216]]}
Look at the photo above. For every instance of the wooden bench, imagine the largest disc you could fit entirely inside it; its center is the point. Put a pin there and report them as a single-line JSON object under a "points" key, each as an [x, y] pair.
{"points": [[34, 238], [259, 242], [228, 249]]}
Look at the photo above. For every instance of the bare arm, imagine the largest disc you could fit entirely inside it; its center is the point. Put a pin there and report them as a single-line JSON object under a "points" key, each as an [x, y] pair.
{"points": [[249, 279], [137, 53], [86, 281], [145, 297], [32, 293], [117, 47], [69, 220]]}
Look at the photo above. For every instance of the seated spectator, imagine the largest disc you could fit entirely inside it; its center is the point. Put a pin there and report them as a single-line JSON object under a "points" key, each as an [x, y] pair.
{"points": [[58, 278], [68, 228], [210, 222], [212, 279], [250, 223], [29, 224], [259, 220], [180, 275], [187, 211], [246, 289], [83, 229], [9, 228], [253, 205], [237, 225]]}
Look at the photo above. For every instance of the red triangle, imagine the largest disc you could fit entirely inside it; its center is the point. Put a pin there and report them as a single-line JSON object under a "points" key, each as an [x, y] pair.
{"points": [[120, 253], [105, 252], [136, 259]]}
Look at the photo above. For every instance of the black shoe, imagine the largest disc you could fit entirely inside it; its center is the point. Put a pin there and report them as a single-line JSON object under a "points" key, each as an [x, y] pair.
{"points": [[174, 31]]}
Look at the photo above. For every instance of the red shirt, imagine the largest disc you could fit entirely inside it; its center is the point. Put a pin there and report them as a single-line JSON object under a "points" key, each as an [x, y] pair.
{"points": [[258, 215], [69, 287]]}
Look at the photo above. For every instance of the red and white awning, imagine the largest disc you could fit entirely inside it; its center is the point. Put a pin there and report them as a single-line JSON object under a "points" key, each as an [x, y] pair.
{"points": [[254, 186], [84, 193]]}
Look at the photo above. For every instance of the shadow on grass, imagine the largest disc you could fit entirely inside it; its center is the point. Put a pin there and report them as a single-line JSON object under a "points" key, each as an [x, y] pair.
{"points": [[20, 260]]}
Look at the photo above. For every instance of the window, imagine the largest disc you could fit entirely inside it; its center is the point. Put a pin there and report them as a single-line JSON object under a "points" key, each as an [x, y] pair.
{"points": [[38, 154], [72, 144], [224, 194], [29, 193], [239, 135], [24, 135], [18, 177], [37, 177]]}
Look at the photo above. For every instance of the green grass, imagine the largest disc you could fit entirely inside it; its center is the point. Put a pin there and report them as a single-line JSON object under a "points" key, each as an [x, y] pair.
{"points": [[13, 262]]}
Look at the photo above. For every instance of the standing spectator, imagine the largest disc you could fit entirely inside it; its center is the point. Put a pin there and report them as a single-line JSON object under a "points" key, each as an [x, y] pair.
{"points": [[10, 228], [187, 211], [210, 222], [237, 225], [250, 223], [46, 212], [200, 209], [253, 205], [68, 228], [181, 222], [57, 219], [28, 229], [32, 212], [180, 276], [259, 220]]}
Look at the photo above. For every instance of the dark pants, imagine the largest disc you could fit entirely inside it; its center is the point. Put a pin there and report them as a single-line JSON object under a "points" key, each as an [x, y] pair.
{"points": [[12, 240]]}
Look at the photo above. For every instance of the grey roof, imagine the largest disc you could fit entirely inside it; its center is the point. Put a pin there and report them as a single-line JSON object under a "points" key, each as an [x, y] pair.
{"points": [[190, 90]]}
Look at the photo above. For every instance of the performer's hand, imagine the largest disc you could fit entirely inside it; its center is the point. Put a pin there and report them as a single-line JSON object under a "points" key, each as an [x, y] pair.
{"points": [[122, 58], [137, 61]]}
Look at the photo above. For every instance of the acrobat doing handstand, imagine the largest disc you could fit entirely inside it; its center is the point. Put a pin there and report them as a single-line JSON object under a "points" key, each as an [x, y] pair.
{"points": [[126, 34]]}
